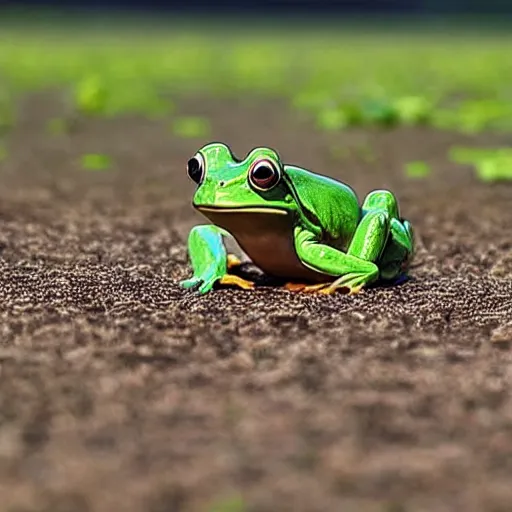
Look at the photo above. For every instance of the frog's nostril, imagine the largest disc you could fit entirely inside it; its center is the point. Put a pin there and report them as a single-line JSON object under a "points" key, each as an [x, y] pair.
{"points": [[222, 183]]}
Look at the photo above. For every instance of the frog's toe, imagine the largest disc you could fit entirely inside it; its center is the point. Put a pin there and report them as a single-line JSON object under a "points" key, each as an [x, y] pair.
{"points": [[206, 287], [349, 290], [190, 283], [315, 288], [330, 289], [306, 288], [198, 285], [294, 287], [354, 290], [351, 283], [230, 279]]}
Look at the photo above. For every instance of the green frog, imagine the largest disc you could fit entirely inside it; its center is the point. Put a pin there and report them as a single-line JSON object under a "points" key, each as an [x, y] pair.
{"points": [[305, 228]]}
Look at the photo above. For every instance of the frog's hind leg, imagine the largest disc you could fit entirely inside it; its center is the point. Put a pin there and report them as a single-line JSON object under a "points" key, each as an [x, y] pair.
{"points": [[359, 266], [399, 251], [380, 208], [381, 200]]}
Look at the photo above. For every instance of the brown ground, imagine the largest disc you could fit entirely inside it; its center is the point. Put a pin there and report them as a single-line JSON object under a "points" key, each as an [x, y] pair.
{"points": [[120, 391]]}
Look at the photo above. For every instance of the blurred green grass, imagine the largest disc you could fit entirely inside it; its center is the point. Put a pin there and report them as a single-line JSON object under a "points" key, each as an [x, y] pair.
{"points": [[447, 78], [457, 81], [451, 81]]}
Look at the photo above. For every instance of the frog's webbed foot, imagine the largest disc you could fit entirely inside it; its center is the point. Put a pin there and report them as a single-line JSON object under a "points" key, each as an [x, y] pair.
{"points": [[205, 285], [351, 283], [232, 280], [305, 288], [193, 282]]}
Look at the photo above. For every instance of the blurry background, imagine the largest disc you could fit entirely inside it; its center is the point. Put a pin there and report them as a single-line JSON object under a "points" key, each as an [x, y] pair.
{"points": [[122, 391]]}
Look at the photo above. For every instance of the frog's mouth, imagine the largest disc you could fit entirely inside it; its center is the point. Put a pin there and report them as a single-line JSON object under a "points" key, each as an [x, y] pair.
{"points": [[240, 209]]}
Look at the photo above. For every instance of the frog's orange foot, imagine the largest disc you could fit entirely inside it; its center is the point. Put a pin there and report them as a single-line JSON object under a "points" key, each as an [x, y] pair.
{"points": [[349, 290], [325, 288], [351, 284], [306, 288], [232, 280], [233, 261], [294, 287]]}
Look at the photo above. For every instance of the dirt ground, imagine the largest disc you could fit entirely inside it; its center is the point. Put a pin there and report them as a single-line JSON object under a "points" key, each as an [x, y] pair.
{"points": [[121, 391]]}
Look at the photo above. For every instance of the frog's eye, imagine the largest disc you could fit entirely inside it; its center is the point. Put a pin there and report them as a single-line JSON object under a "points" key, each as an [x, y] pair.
{"points": [[264, 174], [195, 168]]}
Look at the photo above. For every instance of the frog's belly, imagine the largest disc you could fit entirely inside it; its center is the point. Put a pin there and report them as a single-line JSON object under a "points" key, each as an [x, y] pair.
{"points": [[267, 238]]}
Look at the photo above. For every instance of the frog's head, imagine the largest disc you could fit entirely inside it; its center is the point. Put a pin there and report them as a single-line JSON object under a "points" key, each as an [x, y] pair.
{"points": [[226, 184]]}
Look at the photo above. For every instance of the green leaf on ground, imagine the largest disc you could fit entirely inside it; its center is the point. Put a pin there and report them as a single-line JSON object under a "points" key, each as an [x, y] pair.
{"points": [[96, 162], [417, 169], [191, 127], [232, 504], [491, 164]]}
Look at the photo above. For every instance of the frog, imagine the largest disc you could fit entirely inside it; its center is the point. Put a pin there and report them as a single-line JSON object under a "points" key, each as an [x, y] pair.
{"points": [[307, 229]]}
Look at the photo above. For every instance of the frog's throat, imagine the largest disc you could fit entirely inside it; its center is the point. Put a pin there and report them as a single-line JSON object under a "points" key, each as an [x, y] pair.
{"points": [[241, 209], [265, 235]]}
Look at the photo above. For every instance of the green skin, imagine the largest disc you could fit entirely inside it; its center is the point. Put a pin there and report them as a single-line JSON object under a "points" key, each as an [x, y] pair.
{"points": [[305, 228]]}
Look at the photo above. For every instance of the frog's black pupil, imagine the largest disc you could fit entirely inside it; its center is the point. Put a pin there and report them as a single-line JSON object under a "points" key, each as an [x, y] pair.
{"points": [[194, 170], [263, 173]]}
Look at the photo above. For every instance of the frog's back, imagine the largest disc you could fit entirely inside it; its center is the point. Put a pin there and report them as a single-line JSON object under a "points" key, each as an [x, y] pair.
{"points": [[333, 205]]}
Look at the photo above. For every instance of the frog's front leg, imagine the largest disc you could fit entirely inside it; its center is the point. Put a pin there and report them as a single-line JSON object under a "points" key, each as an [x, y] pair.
{"points": [[354, 269], [210, 260]]}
